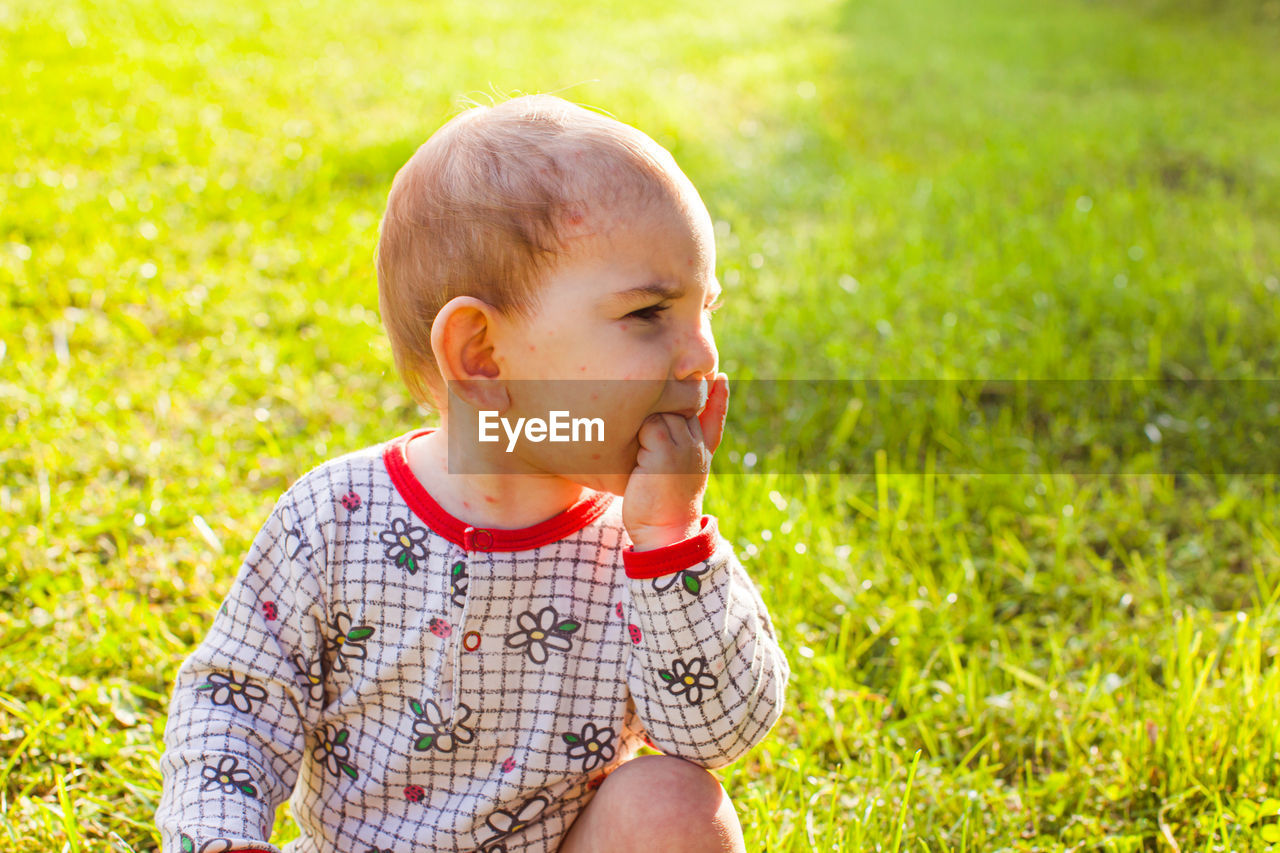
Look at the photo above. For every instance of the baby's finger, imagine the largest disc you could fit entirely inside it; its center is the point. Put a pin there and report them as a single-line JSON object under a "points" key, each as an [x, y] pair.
{"points": [[655, 431], [695, 430], [678, 428], [713, 415]]}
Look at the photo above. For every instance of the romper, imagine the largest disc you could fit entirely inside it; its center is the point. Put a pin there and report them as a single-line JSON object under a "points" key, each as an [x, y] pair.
{"points": [[410, 682]]}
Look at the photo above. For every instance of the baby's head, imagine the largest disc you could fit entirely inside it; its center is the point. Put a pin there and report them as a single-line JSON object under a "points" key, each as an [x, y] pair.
{"points": [[500, 199]]}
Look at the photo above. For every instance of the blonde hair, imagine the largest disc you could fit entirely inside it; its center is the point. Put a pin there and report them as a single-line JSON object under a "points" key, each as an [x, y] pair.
{"points": [[481, 209]]}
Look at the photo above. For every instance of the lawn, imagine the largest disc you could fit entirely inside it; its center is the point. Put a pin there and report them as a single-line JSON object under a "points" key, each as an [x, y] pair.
{"points": [[911, 190]]}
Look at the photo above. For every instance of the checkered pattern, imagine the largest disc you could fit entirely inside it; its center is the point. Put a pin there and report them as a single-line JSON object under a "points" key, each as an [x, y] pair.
{"points": [[414, 694]]}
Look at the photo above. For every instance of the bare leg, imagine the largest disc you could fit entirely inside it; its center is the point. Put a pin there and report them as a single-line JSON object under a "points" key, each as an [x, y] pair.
{"points": [[657, 803]]}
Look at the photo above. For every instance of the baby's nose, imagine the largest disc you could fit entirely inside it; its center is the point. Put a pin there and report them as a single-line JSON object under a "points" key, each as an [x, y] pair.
{"points": [[700, 357]]}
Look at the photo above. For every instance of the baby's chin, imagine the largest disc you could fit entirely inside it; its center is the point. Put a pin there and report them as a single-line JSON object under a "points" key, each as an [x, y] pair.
{"points": [[600, 467], [609, 474]]}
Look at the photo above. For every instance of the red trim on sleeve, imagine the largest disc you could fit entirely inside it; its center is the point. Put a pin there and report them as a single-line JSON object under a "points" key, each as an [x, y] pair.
{"points": [[457, 531], [672, 558]]}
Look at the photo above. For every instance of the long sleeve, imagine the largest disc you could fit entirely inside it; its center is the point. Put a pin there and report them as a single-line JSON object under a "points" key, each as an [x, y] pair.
{"points": [[706, 672], [245, 700]]}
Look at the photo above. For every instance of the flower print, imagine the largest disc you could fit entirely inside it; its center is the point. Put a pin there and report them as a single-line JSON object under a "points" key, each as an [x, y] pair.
{"points": [[311, 676], [228, 776], [539, 633], [506, 823], [351, 501], [187, 844], [225, 689], [458, 583], [332, 750], [219, 845], [404, 544], [593, 745], [348, 642], [688, 679], [690, 580], [431, 730], [378, 850], [294, 542]]}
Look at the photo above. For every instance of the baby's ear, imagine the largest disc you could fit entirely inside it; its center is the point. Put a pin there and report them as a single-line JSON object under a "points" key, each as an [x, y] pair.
{"points": [[462, 339]]}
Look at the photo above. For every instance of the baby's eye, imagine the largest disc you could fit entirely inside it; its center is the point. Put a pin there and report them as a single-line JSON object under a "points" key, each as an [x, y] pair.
{"points": [[649, 312]]}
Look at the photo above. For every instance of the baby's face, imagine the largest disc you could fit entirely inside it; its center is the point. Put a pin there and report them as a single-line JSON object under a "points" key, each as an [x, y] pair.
{"points": [[622, 331]]}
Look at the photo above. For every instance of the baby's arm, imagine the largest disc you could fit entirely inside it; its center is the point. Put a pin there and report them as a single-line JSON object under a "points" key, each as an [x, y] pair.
{"points": [[245, 699], [707, 675], [706, 671]]}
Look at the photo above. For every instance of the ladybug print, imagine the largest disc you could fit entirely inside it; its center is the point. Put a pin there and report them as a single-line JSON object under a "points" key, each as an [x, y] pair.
{"points": [[414, 793], [508, 765], [439, 627], [634, 632], [617, 608], [595, 782], [270, 611], [351, 501]]}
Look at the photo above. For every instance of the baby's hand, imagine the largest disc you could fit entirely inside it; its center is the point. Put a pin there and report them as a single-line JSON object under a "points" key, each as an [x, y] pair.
{"points": [[663, 500]]}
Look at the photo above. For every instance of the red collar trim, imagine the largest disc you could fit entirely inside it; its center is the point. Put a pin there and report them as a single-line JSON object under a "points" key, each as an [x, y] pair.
{"points": [[457, 531]]}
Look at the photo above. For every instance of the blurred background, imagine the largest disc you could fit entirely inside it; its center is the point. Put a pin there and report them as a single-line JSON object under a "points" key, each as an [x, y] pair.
{"points": [[902, 189]]}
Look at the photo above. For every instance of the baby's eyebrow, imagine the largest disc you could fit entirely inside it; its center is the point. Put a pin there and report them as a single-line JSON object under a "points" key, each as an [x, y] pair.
{"points": [[658, 289]]}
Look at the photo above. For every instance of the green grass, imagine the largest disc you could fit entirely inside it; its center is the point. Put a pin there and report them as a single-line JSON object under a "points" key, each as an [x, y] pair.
{"points": [[189, 197]]}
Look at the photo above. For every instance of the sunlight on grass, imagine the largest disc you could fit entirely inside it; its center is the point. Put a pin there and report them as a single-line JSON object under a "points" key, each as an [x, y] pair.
{"points": [[189, 197]]}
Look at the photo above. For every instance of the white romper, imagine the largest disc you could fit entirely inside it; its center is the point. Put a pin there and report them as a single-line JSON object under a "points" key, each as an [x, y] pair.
{"points": [[415, 683]]}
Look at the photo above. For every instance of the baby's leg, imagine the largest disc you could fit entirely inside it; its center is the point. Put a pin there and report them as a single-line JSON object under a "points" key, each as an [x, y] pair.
{"points": [[657, 803]]}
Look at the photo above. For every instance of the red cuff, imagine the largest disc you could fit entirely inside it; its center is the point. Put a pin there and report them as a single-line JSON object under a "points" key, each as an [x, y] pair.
{"points": [[675, 557]]}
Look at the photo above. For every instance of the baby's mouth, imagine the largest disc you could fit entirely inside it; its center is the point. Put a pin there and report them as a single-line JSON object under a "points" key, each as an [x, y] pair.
{"points": [[697, 402]]}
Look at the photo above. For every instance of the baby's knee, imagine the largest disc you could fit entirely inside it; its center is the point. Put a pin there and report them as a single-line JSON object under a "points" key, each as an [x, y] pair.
{"points": [[662, 778], [657, 802], [675, 801]]}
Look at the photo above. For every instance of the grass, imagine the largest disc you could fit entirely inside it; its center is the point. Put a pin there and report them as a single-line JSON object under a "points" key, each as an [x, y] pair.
{"points": [[189, 197]]}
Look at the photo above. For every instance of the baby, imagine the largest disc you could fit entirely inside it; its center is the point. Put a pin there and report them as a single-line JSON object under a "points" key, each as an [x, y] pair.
{"points": [[431, 653]]}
